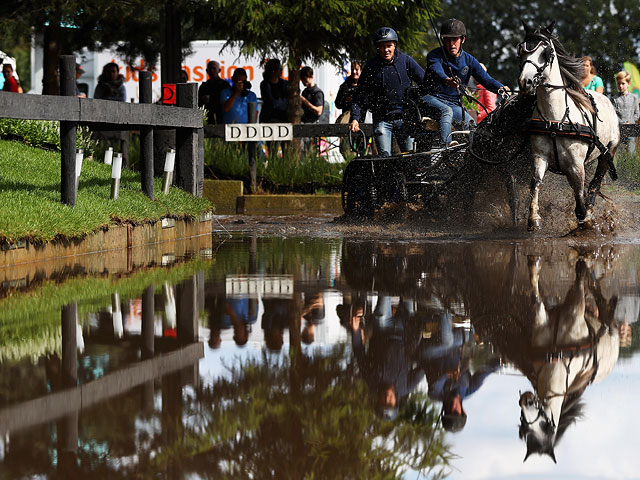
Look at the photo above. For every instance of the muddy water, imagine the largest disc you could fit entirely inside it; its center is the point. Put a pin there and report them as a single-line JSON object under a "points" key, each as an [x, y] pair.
{"points": [[272, 357]]}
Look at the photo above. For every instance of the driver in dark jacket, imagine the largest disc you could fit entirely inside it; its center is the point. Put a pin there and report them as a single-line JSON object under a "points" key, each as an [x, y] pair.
{"points": [[381, 90], [448, 67]]}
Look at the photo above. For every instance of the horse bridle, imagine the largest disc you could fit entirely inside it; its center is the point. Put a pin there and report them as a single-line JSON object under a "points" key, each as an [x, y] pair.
{"points": [[549, 57], [541, 413]]}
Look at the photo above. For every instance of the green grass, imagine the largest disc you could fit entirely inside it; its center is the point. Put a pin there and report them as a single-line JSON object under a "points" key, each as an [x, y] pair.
{"points": [[31, 207], [289, 169], [628, 167], [30, 321]]}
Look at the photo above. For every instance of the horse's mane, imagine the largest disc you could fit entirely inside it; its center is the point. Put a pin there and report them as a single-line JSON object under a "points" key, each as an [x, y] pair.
{"points": [[571, 68], [572, 410]]}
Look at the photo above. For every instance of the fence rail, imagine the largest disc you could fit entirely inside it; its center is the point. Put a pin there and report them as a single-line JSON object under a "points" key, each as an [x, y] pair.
{"points": [[72, 111]]}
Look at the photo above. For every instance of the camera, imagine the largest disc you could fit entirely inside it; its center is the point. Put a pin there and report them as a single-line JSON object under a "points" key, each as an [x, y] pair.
{"points": [[247, 87]]}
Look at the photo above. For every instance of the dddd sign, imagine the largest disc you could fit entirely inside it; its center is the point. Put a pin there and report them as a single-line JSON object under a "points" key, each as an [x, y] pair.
{"points": [[258, 132]]}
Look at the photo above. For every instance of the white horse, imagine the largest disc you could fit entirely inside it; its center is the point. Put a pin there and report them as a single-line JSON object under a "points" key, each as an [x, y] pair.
{"points": [[567, 129], [573, 345]]}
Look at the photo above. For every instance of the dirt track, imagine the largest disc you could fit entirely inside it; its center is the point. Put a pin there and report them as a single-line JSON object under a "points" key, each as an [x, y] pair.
{"points": [[617, 220]]}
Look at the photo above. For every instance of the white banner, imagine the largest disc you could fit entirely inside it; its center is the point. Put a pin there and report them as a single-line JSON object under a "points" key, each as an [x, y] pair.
{"points": [[258, 132]]}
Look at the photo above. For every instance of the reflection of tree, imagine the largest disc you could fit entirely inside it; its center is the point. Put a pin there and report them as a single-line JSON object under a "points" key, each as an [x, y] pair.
{"points": [[260, 424]]}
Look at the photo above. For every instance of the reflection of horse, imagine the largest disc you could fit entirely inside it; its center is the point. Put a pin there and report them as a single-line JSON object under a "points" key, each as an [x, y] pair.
{"points": [[573, 344], [569, 128]]}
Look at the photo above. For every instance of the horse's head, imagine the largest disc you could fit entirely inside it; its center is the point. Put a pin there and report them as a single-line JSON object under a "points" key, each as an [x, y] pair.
{"points": [[536, 54], [537, 426]]}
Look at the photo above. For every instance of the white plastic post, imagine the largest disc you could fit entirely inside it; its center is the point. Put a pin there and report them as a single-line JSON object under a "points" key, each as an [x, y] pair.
{"points": [[79, 157], [116, 171], [108, 156], [169, 164]]}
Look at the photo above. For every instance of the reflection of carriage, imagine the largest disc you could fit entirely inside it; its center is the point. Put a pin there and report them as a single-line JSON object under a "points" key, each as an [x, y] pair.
{"points": [[421, 175]]}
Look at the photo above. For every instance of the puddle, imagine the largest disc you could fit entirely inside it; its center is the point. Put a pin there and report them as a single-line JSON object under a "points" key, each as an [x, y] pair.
{"points": [[332, 358]]}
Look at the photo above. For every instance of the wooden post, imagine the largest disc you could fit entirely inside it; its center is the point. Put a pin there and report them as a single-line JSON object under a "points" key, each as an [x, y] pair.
{"points": [[252, 148], [146, 138], [68, 134], [189, 165], [148, 320], [69, 344]]}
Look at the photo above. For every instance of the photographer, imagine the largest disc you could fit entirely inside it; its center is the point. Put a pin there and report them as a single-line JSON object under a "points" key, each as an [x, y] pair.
{"points": [[235, 100]]}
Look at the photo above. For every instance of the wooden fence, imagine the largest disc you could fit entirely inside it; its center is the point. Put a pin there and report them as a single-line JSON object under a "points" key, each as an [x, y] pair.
{"points": [[72, 111]]}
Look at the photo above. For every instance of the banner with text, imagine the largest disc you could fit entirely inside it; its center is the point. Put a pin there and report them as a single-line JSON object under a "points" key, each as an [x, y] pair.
{"points": [[258, 132]]}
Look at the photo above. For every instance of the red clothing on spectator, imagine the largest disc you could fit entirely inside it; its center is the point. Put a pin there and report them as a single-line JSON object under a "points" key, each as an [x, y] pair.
{"points": [[488, 99], [11, 85]]}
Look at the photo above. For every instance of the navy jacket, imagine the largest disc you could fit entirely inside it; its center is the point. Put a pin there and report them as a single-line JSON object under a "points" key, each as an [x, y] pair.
{"points": [[382, 86], [463, 66]]}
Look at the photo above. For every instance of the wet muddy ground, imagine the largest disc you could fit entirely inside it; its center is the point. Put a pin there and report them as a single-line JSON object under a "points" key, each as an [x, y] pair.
{"points": [[616, 214]]}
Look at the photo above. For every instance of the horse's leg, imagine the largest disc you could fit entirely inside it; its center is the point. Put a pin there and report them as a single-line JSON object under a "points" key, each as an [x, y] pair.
{"points": [[594, 185], [540, 167], [575, 177]]}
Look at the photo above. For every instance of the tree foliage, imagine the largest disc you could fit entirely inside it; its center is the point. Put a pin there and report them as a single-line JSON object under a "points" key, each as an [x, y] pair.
{"points": [[607, 30], [320, 30]]}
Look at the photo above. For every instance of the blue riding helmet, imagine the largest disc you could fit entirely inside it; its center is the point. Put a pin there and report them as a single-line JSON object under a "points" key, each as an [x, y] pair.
{"points": [[385, 34]]}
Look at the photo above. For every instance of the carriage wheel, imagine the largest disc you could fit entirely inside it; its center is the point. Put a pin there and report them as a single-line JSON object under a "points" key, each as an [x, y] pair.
{"points": [[358, 191]]}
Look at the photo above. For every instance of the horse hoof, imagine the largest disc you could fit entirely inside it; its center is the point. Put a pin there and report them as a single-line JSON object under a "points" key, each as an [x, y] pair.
{"points": [[586, 224], [533, 224]]}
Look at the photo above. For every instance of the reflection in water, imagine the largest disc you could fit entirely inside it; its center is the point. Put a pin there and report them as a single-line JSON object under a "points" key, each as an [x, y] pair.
{"points": [[290, 358]]}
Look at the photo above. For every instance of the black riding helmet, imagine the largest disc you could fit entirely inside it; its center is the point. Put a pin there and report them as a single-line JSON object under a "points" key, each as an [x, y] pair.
{"points": [[453, 28], [385, 34]]}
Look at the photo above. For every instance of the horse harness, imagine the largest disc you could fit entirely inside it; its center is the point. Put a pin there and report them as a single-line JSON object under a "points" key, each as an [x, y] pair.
{"points": [[565, 127]]}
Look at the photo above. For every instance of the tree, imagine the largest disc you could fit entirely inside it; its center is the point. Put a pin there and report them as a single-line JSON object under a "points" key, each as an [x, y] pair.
{"points": [[315, 31], [136, 28], [607, 30]]}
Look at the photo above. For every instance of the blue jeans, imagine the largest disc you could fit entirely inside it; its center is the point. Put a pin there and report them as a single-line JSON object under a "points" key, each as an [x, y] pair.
{"points": [[382, 131], [446, 112]]}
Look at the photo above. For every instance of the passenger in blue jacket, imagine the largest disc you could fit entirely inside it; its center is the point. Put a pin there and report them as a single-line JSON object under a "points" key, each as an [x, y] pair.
{"points": [[381, 90], [448, 67]]}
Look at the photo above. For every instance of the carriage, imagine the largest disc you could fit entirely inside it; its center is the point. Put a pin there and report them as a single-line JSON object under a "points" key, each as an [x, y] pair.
{"points": [[552, 120], [421, 175]]}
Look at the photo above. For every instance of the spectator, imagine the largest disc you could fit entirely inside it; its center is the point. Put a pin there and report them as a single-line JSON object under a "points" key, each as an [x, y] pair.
{"points": [[312, 97], [111, 84], [591, 80], [381, 89], [10, 82], [626, 105], [184, 76], [486, 98], [82, 89], [344, 99], [274, 93], [236, 99], [209, 93]]}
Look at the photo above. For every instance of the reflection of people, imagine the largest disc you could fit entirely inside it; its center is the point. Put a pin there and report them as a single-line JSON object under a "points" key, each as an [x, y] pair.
{"points": [[275, 320], [447, 370], [111, 84], [312, 313], [387, 365], [237, 313]]}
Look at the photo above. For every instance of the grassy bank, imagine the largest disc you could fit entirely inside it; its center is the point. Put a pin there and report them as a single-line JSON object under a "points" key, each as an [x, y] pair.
{"points": [[30, 198]]}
